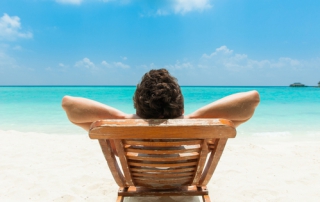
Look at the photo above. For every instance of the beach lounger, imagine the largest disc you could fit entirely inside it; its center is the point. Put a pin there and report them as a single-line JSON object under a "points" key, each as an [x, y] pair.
{"points": [[162, 157]]}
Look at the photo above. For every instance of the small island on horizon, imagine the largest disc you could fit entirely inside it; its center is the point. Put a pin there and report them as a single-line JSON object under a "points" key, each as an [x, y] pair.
{"points": [[297, 84]]}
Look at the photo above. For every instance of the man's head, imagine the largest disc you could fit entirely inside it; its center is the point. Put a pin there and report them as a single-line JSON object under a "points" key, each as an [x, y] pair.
{"points": [[158, 95]]}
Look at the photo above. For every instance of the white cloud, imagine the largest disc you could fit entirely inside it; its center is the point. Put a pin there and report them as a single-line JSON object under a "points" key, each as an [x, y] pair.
{"points": [[6, 61], [115, 65], [226, 58], [162, 12], [78, 2], [85, 62], [285, 61], [227, 67], [48, 69], [107, 1], [179, 65], [121, 65], [104, 63], [184, 6], [74, 2], [223, 50], [180, 7], [151, 66], [155, 8], [18, 48], [10, 28]]}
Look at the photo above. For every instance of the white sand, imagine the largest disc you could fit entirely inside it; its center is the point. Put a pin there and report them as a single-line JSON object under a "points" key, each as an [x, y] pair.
{"points": [[42, 167]]}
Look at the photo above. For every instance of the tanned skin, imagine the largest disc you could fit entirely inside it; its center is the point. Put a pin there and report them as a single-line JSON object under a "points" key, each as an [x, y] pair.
{"points": [[238, 108]]}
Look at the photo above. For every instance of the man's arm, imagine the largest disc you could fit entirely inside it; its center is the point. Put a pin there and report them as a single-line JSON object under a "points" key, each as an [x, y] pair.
{"points": [[83, 112], [238, 108]]}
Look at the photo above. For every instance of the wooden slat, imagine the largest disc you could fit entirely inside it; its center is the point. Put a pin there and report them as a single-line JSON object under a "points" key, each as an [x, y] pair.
{"points": [[170, 170], [156, 128], [157, 132], [176, 147], [211, 147], [161, 139], [169, 182], [123, 160], [206, 198], [161, 175], [120, 199], [163, 153], [165, 165], [112, 162], [163, 179], [201, 162], [163, 144], [213, 161], [178, 191], [143, 151], [162, 122], [165, 159], [211, 144]]}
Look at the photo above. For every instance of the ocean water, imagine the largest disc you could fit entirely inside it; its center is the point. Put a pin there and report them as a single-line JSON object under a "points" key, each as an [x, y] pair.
{"points": [[283, 111]]}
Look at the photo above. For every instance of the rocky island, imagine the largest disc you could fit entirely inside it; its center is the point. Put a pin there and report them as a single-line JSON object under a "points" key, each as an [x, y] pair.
{"points": [[297, 84]]}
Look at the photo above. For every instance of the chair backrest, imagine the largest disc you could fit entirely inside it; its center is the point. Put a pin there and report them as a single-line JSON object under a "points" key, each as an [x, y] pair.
{"points": [[162, 153]]}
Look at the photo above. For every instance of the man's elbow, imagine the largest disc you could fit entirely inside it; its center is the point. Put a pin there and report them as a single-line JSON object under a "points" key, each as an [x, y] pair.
{"points": [[253, 101], [255, 98], [66, 102]]}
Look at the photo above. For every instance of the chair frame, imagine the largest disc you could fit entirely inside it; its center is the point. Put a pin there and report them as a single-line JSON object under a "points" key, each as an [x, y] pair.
{"points": [[160, 142]]}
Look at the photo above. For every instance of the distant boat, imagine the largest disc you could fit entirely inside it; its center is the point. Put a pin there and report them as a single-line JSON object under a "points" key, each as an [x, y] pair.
{"points": [[297, 84], [319, 84]]}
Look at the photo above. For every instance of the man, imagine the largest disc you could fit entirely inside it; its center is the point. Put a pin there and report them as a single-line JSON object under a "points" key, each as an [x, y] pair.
{"points": [[157, 96]]}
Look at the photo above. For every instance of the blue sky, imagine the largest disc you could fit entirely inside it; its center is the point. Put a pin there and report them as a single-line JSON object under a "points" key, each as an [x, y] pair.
{"points": [[201, 42]]}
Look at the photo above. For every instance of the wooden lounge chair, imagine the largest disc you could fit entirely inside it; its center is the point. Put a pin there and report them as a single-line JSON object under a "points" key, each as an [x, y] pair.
{"points": [[162, 157]]}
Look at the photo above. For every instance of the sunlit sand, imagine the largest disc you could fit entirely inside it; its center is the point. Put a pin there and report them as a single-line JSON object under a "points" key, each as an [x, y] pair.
{"points": [[42, 167]]}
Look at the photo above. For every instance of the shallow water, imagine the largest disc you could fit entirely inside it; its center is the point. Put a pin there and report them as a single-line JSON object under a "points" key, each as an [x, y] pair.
{"points": [[283, 111]]}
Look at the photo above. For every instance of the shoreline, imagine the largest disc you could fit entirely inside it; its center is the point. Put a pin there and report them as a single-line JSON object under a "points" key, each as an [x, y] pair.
{"points": [[242, 133], [46, 167]]}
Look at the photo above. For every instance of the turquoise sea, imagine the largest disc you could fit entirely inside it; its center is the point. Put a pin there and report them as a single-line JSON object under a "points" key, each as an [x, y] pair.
{"points": [[283, 111]]}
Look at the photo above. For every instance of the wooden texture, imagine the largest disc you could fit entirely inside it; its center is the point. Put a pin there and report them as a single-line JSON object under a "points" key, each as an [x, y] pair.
{"points": [[112, 162], [213, 160], [123, 161], [182, 191], [162, 157], [162, 128]]}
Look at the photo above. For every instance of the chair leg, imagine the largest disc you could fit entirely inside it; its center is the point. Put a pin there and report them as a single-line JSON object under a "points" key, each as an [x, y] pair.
{"points": [[206, 198], [120, 199]]}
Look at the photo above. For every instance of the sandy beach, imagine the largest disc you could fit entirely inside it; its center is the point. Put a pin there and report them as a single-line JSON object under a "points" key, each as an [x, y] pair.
{"points": [[43, 167]]}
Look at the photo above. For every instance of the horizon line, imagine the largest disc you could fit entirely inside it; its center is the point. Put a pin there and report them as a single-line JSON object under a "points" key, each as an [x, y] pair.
{"points": [[135, 86]]}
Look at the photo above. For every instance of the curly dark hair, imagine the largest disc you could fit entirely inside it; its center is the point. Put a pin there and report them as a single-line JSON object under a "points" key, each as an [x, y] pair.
{"points": [[158, 95]]}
